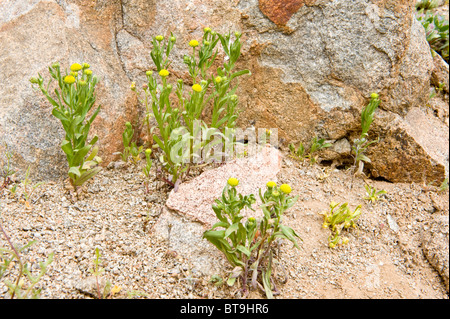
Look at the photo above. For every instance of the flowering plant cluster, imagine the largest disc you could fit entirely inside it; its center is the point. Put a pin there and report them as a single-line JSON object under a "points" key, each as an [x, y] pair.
{"points": [[72, 101], [248, 245], [337, 219], [178, 125]]}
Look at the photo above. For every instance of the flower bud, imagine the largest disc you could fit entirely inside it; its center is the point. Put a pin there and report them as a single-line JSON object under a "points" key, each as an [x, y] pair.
{"points": [[133, 86], [148, 73], [374, 96], [159, 38], [233, 181], [207, 30], [173, 39], [86, 66], [34, 80]]}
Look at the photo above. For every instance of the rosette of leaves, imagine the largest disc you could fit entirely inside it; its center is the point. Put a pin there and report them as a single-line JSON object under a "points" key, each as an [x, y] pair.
{"points": [[73, 100]]}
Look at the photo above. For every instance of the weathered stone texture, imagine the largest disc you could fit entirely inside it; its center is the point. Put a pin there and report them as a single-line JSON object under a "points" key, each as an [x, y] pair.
{"points": [[314, 65]]}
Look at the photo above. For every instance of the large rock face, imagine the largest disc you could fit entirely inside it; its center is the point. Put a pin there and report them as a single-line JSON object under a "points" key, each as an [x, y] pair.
{"points": [[313, 63]]}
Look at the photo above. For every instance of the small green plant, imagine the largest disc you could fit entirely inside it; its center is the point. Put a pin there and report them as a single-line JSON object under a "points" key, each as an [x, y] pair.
{"points": [[444, 185], [248, 245], [436, 30], [436, 90], [316, 145], [72, 101], [28, 188], [298, 153], [97, 271], [372, 194], [127, 136], [177, 126], [6, 170], [24, 285], [361, 144], [338, 218]]}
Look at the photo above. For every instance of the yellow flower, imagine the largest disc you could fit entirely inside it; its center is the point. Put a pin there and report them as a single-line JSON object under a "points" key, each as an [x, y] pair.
{"points": [[218, 79], [88, 72], [75, 67], [271, 184], [193, 43], [163, 73], [115, 289], [133, 86], [159, 38], [374, 96], [148, 151], [285, 188], [207, 30], [69, 79], [233, 181], [86, 66], [197, 87]]}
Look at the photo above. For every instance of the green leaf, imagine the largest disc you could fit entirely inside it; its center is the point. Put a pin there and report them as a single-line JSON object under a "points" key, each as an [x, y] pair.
{"points": [[290, 234], [75, 170], [86, 176], [266, 279], [67, 147], [244, 250], [231, 229]]}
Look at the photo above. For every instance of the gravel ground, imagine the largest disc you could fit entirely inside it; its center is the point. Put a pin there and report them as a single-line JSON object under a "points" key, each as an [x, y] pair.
{"points": [[384, 258]]}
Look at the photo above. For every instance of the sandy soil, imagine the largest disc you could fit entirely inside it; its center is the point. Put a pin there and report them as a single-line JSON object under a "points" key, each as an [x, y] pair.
{"points": [[384, 258]]}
